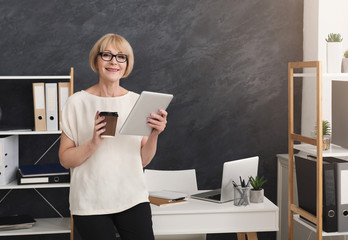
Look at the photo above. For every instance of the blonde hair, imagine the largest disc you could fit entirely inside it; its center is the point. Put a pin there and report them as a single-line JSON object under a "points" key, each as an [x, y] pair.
{"points": [[118, 42]]}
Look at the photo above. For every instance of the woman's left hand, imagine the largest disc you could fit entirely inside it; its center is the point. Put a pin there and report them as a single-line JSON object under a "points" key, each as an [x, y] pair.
{"points": [[158, 121]]}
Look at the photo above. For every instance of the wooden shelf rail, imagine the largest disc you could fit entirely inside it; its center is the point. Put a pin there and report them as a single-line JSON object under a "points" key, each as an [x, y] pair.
{"points": [[318, 142]]}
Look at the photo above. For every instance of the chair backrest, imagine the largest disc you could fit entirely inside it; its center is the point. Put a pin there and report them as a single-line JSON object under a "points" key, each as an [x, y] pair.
{"points": [[176, 180]]}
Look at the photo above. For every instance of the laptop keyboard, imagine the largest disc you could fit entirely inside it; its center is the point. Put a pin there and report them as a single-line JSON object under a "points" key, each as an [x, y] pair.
{"points": [[215, 197]]}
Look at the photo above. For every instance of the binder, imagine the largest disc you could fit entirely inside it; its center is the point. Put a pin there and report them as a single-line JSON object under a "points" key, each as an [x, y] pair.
{"points": [[329, 198], [306, 182], [16, 222], [63, 94], [39, 106], [8, 159], [43, 173], [51, 106], [342, 196]]}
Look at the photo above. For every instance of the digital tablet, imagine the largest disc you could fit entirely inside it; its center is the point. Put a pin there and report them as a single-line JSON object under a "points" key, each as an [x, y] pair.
{"points": [[147, 103]]}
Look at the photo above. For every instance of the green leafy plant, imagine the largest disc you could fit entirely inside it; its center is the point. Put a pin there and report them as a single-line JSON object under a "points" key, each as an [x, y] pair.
{"points": [[257, 182], [346, 54], [326, 128], [334, 37]]}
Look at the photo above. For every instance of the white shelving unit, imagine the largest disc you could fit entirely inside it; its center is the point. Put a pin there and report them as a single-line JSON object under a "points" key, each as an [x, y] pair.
{"points": [[43, 225], [313, 228], [313, 146], [28, 132], [14, 185], [334, 151]]}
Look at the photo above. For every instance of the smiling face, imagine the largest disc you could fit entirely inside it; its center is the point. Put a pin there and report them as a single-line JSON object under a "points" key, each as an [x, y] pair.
{"points": [[113, 44], [111, 70]]}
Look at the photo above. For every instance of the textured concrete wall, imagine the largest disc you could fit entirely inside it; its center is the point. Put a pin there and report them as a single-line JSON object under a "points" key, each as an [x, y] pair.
{"points": [[225, 61]]}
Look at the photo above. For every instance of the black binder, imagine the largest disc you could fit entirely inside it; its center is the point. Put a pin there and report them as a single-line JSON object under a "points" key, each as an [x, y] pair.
{"points": [[16, 222], [306, 186], [44, 173]]}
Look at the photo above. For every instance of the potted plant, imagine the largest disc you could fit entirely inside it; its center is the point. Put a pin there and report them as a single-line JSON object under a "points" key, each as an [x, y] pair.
{"points": [[345, 62], [334, 52], [257, 192], [326, 134]]}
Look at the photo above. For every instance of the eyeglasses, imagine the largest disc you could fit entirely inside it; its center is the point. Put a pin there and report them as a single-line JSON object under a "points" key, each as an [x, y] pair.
{"points": [[106, 56]]}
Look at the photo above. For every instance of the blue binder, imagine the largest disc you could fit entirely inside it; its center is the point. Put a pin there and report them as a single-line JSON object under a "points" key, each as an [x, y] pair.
{"points": [[42, 170]]}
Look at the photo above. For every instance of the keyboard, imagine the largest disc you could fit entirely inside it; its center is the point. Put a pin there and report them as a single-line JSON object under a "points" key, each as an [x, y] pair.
{"points": [[215, 197]]}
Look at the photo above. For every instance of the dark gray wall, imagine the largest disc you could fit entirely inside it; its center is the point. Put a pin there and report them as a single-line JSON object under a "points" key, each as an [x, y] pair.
{"points": [[225, 61]]}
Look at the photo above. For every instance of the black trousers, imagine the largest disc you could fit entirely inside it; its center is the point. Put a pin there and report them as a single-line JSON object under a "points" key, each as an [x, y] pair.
{"points": [[132, 224]]}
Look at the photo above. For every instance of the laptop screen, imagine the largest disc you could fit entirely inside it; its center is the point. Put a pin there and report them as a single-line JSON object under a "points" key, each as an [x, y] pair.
{"points": [[243, 168]]}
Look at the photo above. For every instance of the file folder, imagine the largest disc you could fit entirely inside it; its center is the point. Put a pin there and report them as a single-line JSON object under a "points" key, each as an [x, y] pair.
{"points": [[42, 173], [63, 94], [306, 182], [8, 159], [51, 106], [39, 106], [16, 222]]}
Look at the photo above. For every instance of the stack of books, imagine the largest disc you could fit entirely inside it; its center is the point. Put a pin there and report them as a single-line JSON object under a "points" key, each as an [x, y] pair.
{"points": [[16, 222]]}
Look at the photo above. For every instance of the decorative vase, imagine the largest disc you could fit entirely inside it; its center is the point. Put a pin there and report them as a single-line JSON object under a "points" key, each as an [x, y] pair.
{"points": [[326, 142], [257, 196], [345, 65], [334, 57]]}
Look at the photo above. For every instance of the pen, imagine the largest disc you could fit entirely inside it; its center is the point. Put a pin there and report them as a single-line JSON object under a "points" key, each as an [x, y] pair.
{"points": [[176, 199], [234, 184]]}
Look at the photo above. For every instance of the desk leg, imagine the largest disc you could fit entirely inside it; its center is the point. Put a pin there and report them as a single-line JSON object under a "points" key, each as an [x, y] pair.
{"points": [[251, 236]]}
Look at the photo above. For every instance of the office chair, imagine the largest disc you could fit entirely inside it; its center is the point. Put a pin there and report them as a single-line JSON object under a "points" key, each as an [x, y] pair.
{"points": [[172, 180]]}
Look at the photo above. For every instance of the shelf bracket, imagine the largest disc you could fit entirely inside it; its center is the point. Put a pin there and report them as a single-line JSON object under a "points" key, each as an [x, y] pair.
{"points": [[49, 203], [47, 150]]}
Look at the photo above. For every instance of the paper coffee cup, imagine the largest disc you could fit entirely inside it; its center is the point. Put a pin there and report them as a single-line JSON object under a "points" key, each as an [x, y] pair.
{"points": [[111, 123]]}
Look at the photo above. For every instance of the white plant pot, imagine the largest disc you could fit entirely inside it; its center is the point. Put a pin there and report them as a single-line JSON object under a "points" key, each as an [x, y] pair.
{"points": [[334, 57], [345, 65], [257, 196]]}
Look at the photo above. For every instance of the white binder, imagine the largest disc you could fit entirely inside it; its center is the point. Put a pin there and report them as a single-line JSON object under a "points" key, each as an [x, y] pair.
{"points": [[8, 159], [342, 196], [51, 106], [39, 106], [63, 94]]}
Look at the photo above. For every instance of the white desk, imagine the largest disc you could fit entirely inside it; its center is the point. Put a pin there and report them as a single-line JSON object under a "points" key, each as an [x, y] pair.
{"points": [[202, 217]]}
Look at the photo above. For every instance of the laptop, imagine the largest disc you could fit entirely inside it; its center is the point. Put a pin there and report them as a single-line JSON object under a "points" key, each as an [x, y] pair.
{"points": [[232, 170]]}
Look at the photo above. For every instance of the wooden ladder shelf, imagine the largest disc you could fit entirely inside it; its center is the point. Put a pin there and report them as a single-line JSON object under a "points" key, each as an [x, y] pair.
{"points": [[318, 142]]}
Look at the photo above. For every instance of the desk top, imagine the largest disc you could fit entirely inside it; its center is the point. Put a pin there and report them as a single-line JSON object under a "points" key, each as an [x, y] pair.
{"points": [[194, 206], [202, 217]]}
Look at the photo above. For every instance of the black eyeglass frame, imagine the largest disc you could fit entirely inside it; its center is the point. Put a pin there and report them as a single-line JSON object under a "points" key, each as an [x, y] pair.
{"points": [[113, 56]]}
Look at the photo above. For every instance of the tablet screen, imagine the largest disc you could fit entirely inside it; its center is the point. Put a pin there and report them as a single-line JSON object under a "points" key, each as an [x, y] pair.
{"points": [[147, 103]]}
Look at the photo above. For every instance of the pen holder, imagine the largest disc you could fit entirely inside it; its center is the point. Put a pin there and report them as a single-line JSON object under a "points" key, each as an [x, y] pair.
{"points": [[241, 196]]}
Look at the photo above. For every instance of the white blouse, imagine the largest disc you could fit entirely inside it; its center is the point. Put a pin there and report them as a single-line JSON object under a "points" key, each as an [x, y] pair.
{"points": [[111, 180]]}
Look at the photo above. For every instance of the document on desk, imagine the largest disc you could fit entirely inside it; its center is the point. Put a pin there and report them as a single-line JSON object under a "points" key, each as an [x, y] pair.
{"points": [[165, 197], [172, 195], [165, 202]]}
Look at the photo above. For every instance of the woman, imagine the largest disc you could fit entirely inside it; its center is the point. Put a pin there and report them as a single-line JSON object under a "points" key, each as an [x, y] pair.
{"points": [[107, 185]]}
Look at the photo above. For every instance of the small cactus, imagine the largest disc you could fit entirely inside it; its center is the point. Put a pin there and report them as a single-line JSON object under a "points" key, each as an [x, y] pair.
{"points": [[346, 54], [334, 37]]}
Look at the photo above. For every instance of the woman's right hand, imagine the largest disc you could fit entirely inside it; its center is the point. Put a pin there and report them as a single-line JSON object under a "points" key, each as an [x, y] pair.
{"points": [[71, 156], [99, 128]]}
